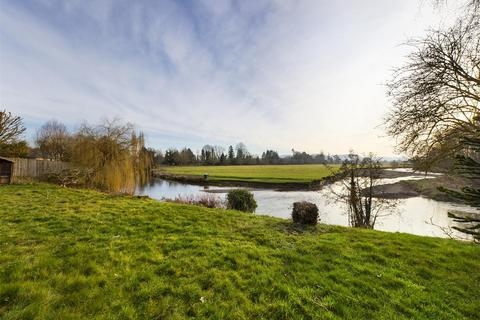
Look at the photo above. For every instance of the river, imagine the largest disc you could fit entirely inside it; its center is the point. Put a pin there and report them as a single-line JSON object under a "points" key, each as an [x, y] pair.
{"points": [[417, 215]]}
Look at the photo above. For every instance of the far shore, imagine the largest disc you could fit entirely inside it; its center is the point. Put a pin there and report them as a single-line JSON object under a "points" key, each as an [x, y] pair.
{"points": [[428, 188]]}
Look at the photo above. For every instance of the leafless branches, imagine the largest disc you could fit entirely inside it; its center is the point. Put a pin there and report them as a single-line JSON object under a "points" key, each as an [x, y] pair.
{"points": [[436, 95], [11, 127], [53, 140], [359, 179]]}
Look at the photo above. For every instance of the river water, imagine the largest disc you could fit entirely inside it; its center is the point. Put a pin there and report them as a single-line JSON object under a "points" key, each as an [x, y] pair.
{"points": [[418, 215]]}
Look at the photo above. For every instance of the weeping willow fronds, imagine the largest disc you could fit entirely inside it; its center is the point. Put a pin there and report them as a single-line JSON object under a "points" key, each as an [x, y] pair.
{"points": [[113, 154]]}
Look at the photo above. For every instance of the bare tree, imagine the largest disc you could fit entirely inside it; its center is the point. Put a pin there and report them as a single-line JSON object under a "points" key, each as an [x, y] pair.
{"points": [[359, 177], [436, 95], [11, 127], [53, 140]]}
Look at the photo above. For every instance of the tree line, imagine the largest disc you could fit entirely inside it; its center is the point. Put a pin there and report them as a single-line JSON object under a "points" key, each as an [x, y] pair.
{"points": [[238, 155]]}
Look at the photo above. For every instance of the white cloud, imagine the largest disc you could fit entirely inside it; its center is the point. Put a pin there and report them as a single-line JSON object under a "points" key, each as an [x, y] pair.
{"points": [[273, 74]]}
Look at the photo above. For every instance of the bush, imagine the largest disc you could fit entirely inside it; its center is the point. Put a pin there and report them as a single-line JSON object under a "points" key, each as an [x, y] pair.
{"points": [[242, 200], [305, 213]]}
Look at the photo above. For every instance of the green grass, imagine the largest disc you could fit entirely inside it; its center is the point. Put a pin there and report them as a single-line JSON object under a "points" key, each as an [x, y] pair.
{"points": [[260, 173], [81, 254]]}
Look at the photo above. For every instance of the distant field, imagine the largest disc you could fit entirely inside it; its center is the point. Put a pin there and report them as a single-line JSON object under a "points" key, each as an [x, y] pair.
{"points": [[263, 173]]}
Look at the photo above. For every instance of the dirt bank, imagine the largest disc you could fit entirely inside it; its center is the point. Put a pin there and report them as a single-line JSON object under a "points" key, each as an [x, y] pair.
{"points": [[424, 187]]}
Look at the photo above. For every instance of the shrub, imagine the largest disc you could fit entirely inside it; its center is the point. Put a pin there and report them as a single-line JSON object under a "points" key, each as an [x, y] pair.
{"points": [[68, 177], [242, 200], [305, 213]]}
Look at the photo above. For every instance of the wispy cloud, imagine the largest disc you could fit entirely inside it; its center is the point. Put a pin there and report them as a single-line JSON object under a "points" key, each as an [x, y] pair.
{"points": [[281, 74]]}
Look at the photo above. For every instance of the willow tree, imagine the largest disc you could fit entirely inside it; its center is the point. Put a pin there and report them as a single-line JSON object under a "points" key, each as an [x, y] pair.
{"points": [[113, 155], [142, 157]]}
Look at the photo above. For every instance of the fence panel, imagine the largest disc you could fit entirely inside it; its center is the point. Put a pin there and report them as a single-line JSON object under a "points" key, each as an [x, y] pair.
{"points": [[33, 168]]}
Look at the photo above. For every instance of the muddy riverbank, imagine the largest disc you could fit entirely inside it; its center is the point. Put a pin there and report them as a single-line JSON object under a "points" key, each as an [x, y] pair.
{"points": [[428, 188]]}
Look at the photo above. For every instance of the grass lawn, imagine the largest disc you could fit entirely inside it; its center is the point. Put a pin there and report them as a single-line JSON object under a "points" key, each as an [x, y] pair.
{"points": [[81, 254], [261, 173]]}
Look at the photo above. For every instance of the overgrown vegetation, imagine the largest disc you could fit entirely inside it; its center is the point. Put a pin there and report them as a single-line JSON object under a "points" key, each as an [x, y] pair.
{"points": [[206, 200], [80, 254], [241, 200]]}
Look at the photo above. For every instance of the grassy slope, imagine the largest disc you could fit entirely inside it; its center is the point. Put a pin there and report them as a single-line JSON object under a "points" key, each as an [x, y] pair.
{"points": [[261, 173], [71, 254]]}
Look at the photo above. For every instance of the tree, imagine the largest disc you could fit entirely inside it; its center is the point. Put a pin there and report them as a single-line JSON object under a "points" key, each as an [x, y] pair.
{"points": [[436, 95], [11, 127], [320, 158], [141, 157], [242, 152], [359, 177], [222, 158], [231, 155], [156, 156], [18, 149], [209, 155], [112, 155], [270, 157], [53, 140], [468, 166], [186, 156], [171, 157]]}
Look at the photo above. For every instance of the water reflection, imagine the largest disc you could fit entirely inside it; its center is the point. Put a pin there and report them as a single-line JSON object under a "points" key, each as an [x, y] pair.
{"points": [[414, 215]]}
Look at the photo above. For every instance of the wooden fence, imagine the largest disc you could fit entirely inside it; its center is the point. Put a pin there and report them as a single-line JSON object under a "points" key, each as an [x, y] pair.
{"points": [[33, 168]]}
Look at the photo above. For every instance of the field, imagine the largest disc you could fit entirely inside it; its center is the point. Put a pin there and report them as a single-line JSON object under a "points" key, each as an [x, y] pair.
{"points": [[260, 173], [81, 254]]}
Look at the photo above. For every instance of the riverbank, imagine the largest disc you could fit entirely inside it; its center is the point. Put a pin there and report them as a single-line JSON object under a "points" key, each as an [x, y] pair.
{"points": [[428, 188], [73, 253]]}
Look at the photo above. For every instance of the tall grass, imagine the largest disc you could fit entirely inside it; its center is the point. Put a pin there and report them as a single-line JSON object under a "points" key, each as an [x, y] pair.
{"points": [[204, 200]]}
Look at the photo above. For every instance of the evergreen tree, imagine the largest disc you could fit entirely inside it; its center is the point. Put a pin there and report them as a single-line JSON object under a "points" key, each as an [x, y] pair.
{"points": [[222, 158], [468, 165], [231, 155]]}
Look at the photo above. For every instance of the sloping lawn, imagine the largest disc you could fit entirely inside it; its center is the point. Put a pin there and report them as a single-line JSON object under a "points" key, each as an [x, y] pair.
{"points": [[80, 254], [260, 173]]}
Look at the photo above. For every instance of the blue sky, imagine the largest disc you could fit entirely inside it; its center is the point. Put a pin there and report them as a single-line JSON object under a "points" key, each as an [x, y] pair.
{"points": [[274, 74]]}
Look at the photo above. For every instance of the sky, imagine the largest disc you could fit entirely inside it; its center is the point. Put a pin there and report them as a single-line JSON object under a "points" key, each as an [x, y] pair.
{"points": [[283, 74]]}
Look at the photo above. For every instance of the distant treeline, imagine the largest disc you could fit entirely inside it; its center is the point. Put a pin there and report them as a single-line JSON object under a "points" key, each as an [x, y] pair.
{"points": [[238, 155]]}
